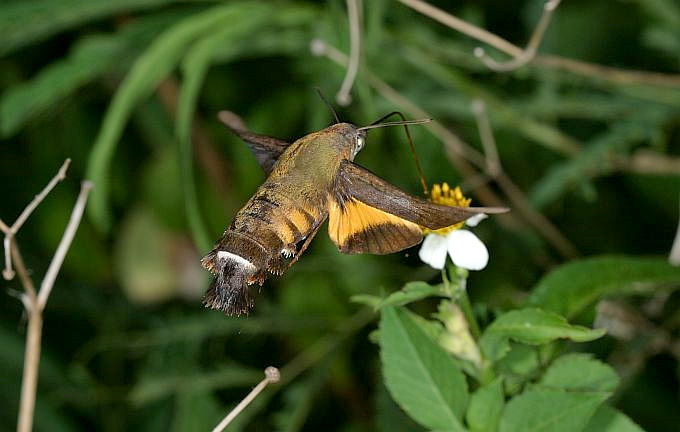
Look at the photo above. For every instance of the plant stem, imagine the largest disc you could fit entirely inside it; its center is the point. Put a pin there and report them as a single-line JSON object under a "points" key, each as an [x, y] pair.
{"points": [[461, 297], [464, 303], [272, 375], [29, 381], [447, 284], [34, 302]]}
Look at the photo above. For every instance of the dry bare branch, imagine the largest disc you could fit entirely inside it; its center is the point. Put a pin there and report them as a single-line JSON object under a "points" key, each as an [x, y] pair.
{"points": [[271, 375], [464, 27], [493, 162], [529, 52], [354, 15], [674, 257], [35, 302], [615, 75], [10, 232], [65, 243]]}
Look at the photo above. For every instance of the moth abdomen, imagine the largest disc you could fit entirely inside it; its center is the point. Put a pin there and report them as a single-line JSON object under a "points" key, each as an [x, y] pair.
{"points": [[237, 261], [230, 292]]}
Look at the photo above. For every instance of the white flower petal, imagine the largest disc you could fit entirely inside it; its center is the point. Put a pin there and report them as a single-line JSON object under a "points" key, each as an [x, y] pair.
{"points": [[474, 220], [467, 250], [433, 250]]}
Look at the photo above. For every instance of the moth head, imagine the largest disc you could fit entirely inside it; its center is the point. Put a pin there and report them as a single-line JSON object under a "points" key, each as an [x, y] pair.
{"points": [[345, 138]]}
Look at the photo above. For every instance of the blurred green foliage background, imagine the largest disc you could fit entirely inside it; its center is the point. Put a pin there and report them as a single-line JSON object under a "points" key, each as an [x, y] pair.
{"points": [[129, 90]]}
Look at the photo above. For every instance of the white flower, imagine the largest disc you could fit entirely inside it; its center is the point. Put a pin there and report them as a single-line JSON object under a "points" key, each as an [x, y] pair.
{"points": [[465, 249]]}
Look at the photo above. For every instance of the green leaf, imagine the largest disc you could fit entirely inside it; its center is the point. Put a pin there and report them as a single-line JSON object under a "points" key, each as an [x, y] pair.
{"points": [[89, 58], [421, 377], [531, 326], [412, 291], [550, 411], [571, 288], [521, 360], [486, 407], [148, 70], [580, 372], [25, 22], [389, 417], [367, 299], [518, 366], [608, 419]]}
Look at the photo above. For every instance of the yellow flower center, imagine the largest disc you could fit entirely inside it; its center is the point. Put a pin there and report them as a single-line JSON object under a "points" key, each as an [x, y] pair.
{"points": [[444, 195]]}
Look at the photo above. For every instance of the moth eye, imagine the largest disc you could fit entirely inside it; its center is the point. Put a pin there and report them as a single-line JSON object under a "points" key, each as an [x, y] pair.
{"points": [[359, 144]]}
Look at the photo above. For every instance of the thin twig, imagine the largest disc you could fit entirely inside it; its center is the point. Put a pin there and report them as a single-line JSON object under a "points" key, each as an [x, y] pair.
{"points": [[64, 244], [31, 294], [10, 232], [7, 272], [271, 375], [674, 257], [464, 27], [29, 381], [529, 52], [353, 14], [61, 175], [35, 304], [650, 162], [493, 162], [619, 76], [611, 74]]}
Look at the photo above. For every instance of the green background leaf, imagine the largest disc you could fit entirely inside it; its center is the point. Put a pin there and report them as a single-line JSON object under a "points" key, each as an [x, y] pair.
{"points": [[580, 372], [572, 287], [486, 407], [608, 419], [550, 410], [531, 326], [420, 376]]}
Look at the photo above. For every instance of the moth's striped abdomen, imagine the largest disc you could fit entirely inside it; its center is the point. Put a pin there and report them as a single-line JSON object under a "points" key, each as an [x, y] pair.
{"points": [[262, 239]]}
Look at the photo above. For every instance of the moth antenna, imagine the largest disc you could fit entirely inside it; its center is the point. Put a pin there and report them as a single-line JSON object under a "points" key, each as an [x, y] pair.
{"points": [[405, 123], [395, 123], [328, 104]]}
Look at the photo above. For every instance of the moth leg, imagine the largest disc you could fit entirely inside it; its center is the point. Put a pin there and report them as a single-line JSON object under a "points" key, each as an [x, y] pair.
{"points": [[278, 264], [304, 246]]}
